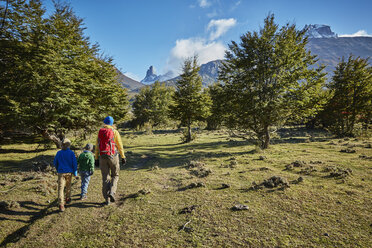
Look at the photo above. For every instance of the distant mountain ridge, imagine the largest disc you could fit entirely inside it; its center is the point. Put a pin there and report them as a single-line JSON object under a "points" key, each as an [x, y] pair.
{"points": [[208, 73], [323, 42], [331, 50], [127, 82], [319, 31]]}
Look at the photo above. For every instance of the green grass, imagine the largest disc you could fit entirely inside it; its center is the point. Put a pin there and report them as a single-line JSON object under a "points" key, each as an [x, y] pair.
{"points": [[321, 211]]}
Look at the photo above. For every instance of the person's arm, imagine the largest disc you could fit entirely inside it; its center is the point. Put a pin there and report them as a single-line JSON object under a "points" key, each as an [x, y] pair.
{"points": [[119, 143], [96, 150], [74, 164], [91, 162]]}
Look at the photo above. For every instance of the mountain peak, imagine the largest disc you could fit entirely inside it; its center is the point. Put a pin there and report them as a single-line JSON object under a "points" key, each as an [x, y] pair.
{"points": [[151, 77], [319, 31], [150, 72]]}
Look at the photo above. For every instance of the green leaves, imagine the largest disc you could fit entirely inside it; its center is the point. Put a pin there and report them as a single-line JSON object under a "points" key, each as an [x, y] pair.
{"points": [[270, 78], [53, 73], [190, 103], [152, 104], [351, 90]]}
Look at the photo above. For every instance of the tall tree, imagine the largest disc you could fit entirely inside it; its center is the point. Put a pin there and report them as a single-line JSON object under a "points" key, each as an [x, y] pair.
{"points": [[151, 105], [21, 39], [351, 89], [270, 77], [58, 81], [190, 102]]}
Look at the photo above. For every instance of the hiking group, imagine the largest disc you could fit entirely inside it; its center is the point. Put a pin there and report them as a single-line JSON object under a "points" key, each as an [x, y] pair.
{"points": [[106, 157]]}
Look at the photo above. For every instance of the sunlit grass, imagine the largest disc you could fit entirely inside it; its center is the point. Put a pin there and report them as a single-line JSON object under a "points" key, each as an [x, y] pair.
{"points": [[321, 211]]}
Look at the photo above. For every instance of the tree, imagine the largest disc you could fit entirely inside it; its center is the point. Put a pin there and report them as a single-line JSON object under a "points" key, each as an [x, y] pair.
{"points": [[22, 36], [151, 105], [218, 110], [190, 102], [351, 90], [56, 81], [270, 77]]}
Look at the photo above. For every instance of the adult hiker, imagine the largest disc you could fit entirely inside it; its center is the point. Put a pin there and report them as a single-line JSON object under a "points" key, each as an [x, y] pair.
{"points": [[66, 165], [107, 147]]}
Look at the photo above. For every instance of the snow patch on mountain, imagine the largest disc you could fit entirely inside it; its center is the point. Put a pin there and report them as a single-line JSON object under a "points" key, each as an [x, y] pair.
{"points": [[319, 31]]}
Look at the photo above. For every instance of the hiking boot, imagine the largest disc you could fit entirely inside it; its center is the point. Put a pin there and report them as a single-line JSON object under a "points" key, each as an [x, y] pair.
{"points": [[107, 202], [68, 200], [111, 197], [61, 208], [83, 197]]}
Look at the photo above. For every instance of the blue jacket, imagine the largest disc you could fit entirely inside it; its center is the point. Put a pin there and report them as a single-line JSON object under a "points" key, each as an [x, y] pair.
{"points": [[65, 162]]}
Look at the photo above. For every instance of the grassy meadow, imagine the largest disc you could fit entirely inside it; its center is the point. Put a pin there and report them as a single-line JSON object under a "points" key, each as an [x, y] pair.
{"points": [[172, 194]]}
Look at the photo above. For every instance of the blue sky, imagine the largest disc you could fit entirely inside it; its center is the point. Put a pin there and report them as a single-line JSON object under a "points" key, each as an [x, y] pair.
{"points": [[162, 33]]}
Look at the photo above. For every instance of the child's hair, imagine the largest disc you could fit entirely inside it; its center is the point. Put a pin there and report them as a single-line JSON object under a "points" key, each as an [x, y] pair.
{"points": [[88, 147], [66, 143]]}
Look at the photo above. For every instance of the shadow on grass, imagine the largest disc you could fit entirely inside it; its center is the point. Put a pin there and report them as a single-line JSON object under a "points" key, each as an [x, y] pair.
{"points": [[5, 151], [124, 198], [18, 234], [174, 155], [82, 205], [23, 165]]}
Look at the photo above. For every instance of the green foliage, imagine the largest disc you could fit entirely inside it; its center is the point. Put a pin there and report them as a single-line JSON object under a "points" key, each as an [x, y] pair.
{"points": [[152, 104], [190, 102], [270, 78], [185, 136], [218, 111], [54, 80], [351, 91]]}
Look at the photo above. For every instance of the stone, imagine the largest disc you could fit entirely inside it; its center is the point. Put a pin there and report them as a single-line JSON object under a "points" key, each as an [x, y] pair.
{"points": [[348, 150], [188, 210], [262, 158], [239, 207]]}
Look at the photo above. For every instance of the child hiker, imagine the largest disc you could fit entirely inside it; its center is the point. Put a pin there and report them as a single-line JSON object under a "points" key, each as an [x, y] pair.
{"points": [[86, 169], [66, 165]]}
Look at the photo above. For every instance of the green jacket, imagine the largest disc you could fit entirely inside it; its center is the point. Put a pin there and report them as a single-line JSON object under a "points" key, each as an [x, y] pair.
{"points": [[86, 161]]}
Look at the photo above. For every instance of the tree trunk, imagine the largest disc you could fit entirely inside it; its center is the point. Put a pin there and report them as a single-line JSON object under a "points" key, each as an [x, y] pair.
{"points": [[188, 132], [56, 140], [266, 138]]}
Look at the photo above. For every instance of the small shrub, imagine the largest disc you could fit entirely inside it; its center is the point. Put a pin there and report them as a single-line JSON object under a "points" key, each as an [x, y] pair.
{"points": [[148, 128], [185, 135]]}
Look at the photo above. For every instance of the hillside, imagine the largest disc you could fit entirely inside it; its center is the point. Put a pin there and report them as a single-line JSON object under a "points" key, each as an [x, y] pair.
{"points": [[208, 73], [131, 84], [302, 192], [331, 50]]}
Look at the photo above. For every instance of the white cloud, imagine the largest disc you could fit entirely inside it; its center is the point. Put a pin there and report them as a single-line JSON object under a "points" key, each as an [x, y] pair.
{"points": [[204, 3], [186, 48], [219, 27], [357, 34]]}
